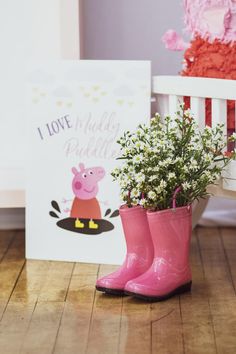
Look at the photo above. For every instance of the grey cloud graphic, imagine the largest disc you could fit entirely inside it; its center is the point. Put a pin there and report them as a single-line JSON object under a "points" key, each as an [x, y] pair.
{"points": [[94, 74], [123, 91], [62, 91], [136, 73], [40, 77]]}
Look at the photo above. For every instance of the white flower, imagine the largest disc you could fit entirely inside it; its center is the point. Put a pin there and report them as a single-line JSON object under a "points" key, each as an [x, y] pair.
{"points": [[135, 193], [178, 159], [233, 136], [127, 151], [134, 139], [139, 131], [193, 165], [131, 168], [140, 177], [194, 162], [138, 158], [208, 174], [152, 178], [139, 145], [208, 143], [158, 190], [152, 195], [116, 171], [143, 201], [186, 186], [123, 195], [171, 175], [188, 113], [163, 184]]}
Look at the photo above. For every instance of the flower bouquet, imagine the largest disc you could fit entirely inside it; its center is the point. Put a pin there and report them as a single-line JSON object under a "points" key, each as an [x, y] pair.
{"points": [[165, 167]]}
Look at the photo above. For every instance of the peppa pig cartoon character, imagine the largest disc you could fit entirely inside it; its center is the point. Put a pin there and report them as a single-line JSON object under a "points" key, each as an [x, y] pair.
{"points": [[85, 189]]}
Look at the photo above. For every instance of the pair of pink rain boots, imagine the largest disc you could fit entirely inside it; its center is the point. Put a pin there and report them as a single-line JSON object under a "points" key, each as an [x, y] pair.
{"points": [[157, 261]]}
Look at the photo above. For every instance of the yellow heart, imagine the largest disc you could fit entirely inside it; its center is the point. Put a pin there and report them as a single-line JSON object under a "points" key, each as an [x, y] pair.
{"points": [[96, 88]]}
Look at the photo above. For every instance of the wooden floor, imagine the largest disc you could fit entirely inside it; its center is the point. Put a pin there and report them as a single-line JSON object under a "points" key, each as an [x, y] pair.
{"points": [[51, 307]]}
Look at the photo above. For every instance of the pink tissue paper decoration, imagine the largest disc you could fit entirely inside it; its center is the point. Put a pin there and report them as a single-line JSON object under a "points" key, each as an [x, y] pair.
{"points": [[173, 41], [211, 19]]}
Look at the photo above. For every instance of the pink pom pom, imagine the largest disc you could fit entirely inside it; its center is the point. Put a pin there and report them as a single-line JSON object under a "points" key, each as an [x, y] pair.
{"points": [[173, 41]]}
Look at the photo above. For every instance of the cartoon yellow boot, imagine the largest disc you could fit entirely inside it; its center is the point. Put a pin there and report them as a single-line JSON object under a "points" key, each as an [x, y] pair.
{"points": [[93, 225], [79, 224]]}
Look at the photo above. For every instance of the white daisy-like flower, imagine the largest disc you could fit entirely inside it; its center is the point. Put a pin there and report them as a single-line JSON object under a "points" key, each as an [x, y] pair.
{"points": [[116, 171], [208, 143], [152, 195], [135, 201], [171, 175], [143, 201], [138, 158], [152, 178], [158, 190], [127, 151], [163, 184], [123, 195], [140, 177], [178, 159], [135, 193], [186, 186], [233, 136], [138, 144], [139, 131], [193, 165], [207, 174]]}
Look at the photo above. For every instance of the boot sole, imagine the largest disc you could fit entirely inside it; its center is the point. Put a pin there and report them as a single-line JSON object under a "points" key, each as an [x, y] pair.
{"points": [[180, 290], [110, 291]]}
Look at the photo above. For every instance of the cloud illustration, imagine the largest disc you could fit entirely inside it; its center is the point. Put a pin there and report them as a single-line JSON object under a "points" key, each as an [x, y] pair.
{"points": [[62, 91], [40, 77], [92, 74], [138, 73], [123, 91]]}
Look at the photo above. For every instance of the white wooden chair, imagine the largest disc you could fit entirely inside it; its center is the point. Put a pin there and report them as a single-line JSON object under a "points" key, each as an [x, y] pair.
{"points": [[169, 92]]}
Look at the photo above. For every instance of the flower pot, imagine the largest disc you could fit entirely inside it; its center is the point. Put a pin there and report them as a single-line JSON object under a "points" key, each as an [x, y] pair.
{"points": [[139, 255], [170, 271]]}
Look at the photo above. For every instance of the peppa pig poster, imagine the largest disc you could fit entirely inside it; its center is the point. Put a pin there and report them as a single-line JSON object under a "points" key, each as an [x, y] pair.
{"points": [[76, 111]]}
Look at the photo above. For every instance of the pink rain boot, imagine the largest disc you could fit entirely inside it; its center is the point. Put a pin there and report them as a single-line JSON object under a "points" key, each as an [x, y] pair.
{"points": [[139, 255], [170, 271]]}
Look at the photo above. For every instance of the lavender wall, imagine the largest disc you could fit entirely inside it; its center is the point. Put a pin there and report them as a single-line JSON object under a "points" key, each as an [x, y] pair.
{"points": [[131, 29]]}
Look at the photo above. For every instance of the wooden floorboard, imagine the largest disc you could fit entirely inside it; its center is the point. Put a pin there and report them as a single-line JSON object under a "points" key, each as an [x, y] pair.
{"points": [[52, 307], [105, 321], [6, 238], [75, 324], [197, 322]]}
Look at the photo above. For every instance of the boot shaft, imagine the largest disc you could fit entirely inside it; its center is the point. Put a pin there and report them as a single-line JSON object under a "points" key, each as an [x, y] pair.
{"points": [[171, 232], [136, 230]]}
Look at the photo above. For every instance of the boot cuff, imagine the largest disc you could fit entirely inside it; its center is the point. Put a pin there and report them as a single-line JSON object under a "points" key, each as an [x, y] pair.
{"points": [[125, 210], [177, 213]]}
